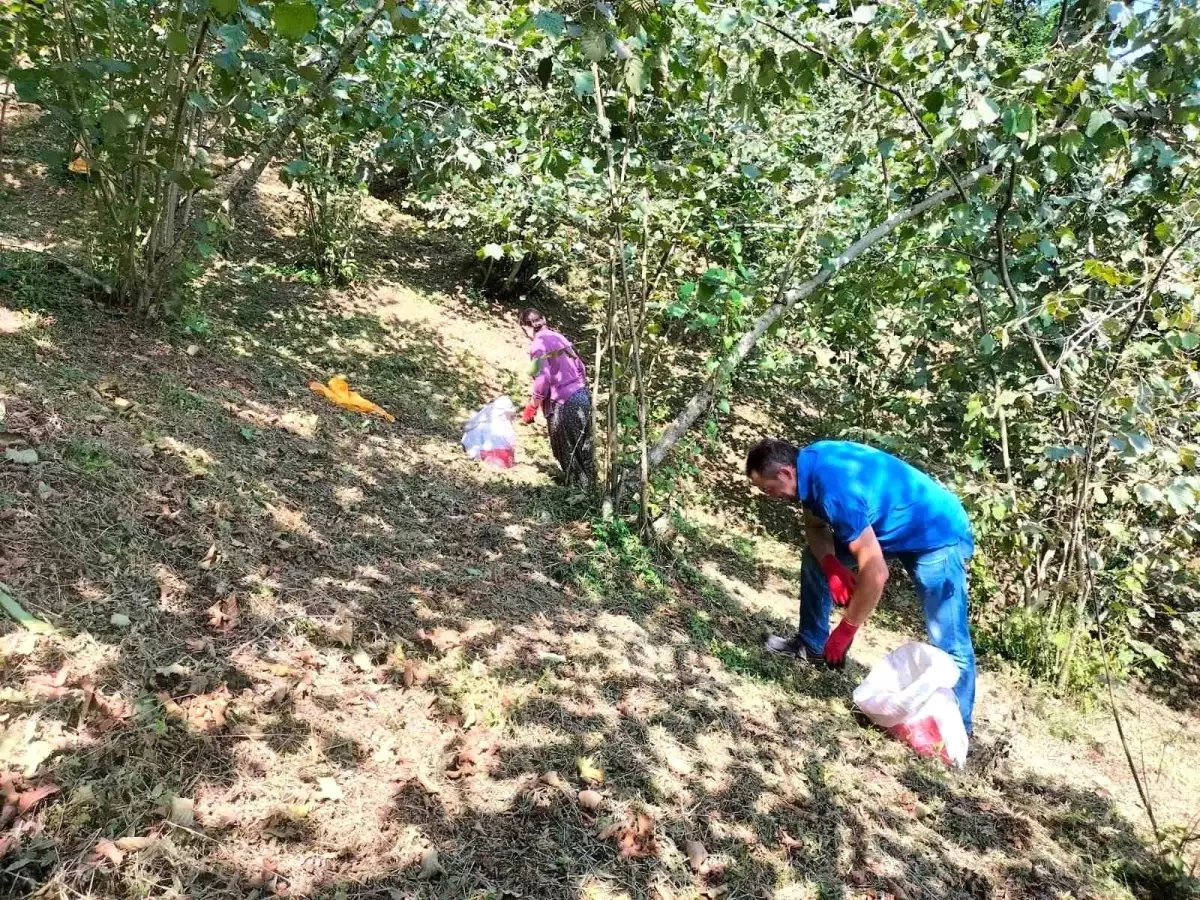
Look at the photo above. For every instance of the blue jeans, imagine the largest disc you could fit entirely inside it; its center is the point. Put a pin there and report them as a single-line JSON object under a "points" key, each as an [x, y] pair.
{"points": [[940, 577]]}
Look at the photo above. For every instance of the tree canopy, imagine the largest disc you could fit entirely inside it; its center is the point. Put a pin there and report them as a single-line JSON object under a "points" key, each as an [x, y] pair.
{"points": [[961, 230]]}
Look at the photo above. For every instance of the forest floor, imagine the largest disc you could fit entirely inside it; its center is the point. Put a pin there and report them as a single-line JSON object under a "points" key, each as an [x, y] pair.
{"points": [[302, 652]]}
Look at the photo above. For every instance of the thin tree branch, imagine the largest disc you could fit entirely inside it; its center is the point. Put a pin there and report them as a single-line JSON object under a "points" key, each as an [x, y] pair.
{"points": [[1002, 255], [879, 85], [693, 409]]}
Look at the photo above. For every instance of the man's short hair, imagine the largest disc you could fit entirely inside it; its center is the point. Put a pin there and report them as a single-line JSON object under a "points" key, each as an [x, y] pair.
{"points": [[770, 455]]}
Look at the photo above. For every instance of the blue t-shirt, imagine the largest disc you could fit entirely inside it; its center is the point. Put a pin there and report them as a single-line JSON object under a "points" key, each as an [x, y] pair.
{"points": [[850, 486]]}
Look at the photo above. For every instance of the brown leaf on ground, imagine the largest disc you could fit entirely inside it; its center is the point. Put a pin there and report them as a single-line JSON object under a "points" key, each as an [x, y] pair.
{"points": [[477, 753], [634, 835], [182, 812], [107, 850], [556, 781], [29, 799], [223, 615], [431, 866], [697, 855], [114, 710], [204, 712], [590, 800], [136, 844], [410, 673], [442, 639], [8, 813], [199, 645], [789, 843]]}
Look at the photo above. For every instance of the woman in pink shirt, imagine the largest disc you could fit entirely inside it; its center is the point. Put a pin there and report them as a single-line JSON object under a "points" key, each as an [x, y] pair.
{"points": [[560, 389]]}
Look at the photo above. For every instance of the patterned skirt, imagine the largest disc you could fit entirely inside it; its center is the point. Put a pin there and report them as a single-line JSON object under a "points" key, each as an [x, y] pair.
{"points": [[571, 437]]}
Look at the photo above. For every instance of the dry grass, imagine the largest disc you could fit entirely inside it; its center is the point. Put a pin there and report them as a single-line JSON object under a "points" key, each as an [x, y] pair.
{"points": [[352, 664]]}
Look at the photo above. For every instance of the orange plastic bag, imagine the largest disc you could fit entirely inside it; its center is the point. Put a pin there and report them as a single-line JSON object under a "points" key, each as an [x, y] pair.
{"points": [[338, 391]]}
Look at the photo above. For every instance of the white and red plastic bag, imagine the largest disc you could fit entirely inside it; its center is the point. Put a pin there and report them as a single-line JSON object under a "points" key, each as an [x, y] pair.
{"points": [[909, 693], [489, 435]]}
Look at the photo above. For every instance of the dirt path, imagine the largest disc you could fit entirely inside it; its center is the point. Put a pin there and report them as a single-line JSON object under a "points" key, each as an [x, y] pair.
{"points": [[304, 653]]}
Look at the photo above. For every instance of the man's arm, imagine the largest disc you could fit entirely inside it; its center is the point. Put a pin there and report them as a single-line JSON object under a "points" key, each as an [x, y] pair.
{"points": [[872, 576], [818, 535]]}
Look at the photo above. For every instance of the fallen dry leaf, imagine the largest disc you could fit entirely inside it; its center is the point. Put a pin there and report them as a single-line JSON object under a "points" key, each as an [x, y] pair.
{"points": [[696, 855], [29, 799], [431, 866], [363, 660], [790, 844], [590, 800], [556, 781], [199, 645], [589, 771], [209, 558], [410, 673], [477, 753], [634, 834], [175, 670], [343, 633], [182, 812], [442, 639], [135, 844], [223, 615], [107, 850]]}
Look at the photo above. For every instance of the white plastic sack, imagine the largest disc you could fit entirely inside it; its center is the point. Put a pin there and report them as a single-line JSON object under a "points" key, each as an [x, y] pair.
{"points": [[910, 693], [489, 435]]}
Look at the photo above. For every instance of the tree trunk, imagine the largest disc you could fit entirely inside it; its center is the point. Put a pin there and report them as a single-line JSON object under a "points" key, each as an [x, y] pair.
{"points": [[696, 406]]}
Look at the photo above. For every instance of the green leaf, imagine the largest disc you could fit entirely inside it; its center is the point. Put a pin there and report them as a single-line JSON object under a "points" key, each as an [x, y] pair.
{"points": [[294, 19], [178, 42], [20, 616], [491, 251], [297, 167], [728, 20], [113, 122], [1181, 497], [987, 110], [636, 76], [1148, 494], [1034, 76], [551, 23], [1097, 120], [1102, 271], [595, 44], [224, 8], [864, 14], [584, 85], [987, 345]]}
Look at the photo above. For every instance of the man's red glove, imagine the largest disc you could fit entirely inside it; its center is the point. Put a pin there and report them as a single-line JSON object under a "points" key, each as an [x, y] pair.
{"points": [[839, 642], [841, 579], [530, 413]]}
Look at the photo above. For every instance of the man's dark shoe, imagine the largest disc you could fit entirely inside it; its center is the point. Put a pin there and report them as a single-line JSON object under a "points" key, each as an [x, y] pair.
{"points": [[792, 646]]}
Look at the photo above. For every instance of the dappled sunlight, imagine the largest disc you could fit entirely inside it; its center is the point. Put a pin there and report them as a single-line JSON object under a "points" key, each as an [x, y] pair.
{"points": [[300, 650]]}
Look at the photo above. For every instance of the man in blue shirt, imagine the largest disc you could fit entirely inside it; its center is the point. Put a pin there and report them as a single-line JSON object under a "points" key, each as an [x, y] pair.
{"points": [[863, 506]]}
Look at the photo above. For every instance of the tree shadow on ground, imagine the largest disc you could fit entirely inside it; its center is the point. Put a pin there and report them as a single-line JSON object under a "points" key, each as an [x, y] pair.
{"points": [[351, 646]]}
